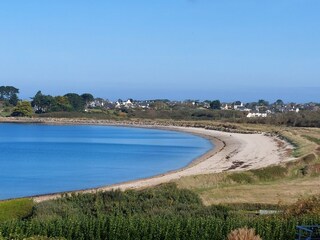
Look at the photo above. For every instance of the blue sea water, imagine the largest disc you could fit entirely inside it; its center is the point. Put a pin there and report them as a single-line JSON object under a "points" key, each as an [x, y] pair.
{"points": [[40, 159]]}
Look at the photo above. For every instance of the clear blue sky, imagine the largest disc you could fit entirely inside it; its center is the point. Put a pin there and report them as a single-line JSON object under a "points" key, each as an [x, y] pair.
{"points": [[176, 49]]}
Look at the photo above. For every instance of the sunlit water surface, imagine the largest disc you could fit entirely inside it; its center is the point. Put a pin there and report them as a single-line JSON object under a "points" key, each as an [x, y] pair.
{"points": [[40, 159]]}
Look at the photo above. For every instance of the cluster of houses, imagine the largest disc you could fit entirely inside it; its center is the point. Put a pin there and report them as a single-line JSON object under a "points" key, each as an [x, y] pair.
{"points": [[257, 110], [128, 104], [253, 109]]}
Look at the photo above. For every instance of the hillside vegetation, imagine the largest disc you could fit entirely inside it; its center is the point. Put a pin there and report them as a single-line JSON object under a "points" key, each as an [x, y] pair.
{"points": [[163, 212]]}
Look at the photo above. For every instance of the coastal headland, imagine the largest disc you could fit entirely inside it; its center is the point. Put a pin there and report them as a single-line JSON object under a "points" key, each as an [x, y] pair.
{"points": [[233, 151]]}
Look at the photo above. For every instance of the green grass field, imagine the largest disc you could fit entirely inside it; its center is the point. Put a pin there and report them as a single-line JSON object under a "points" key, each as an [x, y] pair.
{"points": [[15, 209]]}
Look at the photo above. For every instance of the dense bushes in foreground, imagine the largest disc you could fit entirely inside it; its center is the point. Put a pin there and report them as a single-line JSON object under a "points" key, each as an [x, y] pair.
{"points": [[157, 227], [161, 213]]}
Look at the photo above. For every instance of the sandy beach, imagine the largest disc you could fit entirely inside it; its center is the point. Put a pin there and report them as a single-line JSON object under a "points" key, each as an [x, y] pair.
{"points": [[232, 152]]}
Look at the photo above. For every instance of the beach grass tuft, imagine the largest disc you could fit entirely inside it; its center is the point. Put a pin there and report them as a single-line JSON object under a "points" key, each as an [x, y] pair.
{"points": [[270, 173]]}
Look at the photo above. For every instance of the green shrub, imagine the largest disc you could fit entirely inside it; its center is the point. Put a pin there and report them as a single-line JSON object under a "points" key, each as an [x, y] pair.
{"points": [[304, 206]]}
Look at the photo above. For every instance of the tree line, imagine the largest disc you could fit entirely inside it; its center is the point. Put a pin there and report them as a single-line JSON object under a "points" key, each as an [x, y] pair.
{"points": [[73, 105], [42, 103], [69, 102]]}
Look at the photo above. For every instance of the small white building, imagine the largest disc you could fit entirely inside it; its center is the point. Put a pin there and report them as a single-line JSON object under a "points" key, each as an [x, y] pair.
{"points": [[238, 107], [252, 115]]}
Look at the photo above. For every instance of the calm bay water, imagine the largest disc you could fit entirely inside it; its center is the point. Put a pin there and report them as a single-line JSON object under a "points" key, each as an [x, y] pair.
{"points": [[40, 159]]}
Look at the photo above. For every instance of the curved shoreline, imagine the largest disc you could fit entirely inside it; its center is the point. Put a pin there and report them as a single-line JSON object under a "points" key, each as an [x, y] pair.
{"points": [[231, 152], [218, 145]]}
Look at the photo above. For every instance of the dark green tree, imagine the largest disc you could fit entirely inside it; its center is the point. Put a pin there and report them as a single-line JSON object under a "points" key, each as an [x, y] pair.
{"points": [[262, 102], [76, 101], [87, 97], [279, 102], [43, 103], [23, 109], [14, 100], [9, 94], [251, 105], [61, 104], [215, 104]]}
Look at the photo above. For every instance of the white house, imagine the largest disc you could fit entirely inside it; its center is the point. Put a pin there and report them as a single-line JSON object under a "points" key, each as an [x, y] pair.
{"points": [[252, 115]]}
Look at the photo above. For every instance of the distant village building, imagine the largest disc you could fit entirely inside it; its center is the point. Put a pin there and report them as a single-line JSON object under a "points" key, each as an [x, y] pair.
{"points": [[238, 106], [241, 107], [226, 106], [143, 104], [127, 104], [118, 104], [253, 115], [206, 105], [98, 102]]}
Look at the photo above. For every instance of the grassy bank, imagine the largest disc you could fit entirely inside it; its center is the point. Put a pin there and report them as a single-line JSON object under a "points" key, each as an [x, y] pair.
{"points": [[13, 209]]}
